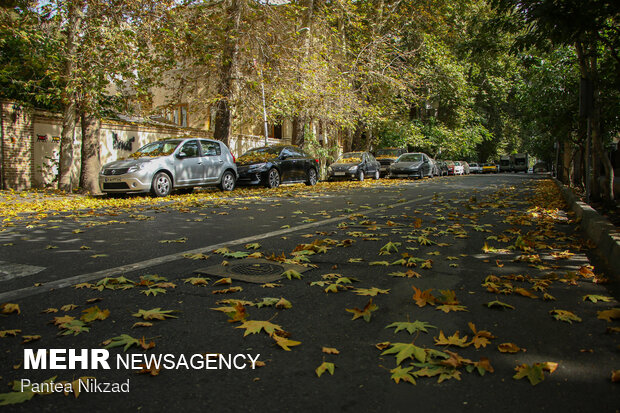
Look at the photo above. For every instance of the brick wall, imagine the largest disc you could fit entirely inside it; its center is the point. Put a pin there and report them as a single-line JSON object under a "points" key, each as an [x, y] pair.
{"points": [[16, 155]]}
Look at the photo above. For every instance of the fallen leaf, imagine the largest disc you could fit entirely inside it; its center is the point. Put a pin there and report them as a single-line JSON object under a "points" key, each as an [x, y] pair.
{"points": [[609, 315], [403, 374], [154, 314], [256, 326], [411, 327], [9, 308], [508, 348], [325, 366], [564, 315], [365, 313], [330, 350], [453, 340]]}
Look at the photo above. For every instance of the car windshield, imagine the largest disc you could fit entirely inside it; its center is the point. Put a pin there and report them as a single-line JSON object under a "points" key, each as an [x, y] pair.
{"points": [[410, 157], [387, 153], [159, 148], [350, 157], [259, 155]]}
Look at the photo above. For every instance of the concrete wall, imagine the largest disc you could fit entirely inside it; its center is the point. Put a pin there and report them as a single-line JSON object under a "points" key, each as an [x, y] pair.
{"points": [[31, 144]]}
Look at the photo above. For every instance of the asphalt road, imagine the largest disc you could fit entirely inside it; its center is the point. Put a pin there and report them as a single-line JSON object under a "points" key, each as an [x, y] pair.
{"points": [[41, 259]]}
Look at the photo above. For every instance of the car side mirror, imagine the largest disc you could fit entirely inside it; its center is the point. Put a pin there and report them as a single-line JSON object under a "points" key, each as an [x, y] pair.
{"points": [[181, 155]]}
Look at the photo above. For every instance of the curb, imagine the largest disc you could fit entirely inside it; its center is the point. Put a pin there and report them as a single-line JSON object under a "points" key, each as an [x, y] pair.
{"points": [[597, 229]]}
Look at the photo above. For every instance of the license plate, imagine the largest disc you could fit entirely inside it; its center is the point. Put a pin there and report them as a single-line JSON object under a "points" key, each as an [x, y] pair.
{"points": [[384, 168], [402, 176], [112, 179], [339, 173]]}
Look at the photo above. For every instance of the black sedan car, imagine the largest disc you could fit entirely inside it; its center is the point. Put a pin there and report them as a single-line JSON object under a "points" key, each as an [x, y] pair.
{"points": [[273, 165], [412, 165], [354, 165]]}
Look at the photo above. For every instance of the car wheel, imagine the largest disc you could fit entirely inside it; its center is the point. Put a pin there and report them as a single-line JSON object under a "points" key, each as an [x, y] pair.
{"points": [[312, 177], [273, 178], [162, 184], [360, 176], [377, 175], [228, 181]]}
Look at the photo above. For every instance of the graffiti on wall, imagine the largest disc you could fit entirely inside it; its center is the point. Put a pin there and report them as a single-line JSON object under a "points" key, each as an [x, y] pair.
{"points": [[122, 145], [43, 138]]}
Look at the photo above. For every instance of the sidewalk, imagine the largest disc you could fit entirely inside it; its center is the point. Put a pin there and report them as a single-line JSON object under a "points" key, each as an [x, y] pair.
{"points": [[599, 230]]}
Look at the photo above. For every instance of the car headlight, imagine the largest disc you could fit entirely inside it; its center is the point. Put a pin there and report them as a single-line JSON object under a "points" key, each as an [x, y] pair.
{"points": [[136, 168], [329, 169], [257, 166], [353, 168]]}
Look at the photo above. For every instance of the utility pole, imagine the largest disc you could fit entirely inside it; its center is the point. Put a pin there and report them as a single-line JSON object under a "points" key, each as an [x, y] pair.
{"points": [[262, 86]]}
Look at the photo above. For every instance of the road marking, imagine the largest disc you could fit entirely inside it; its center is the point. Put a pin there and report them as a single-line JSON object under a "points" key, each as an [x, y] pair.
{"points": [[111, 272], [8, 270]]}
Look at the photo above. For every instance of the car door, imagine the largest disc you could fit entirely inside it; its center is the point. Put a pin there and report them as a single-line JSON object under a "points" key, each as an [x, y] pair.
{"points": [[364, 165], [212, 159], [188, 164], [287, 165], [373, 164], [300, 164]]}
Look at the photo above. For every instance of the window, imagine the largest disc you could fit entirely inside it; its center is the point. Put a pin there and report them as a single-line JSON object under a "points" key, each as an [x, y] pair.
{"points": [[287, 153], [177, 114], [183, 111], [210, 148], [190, 149]]}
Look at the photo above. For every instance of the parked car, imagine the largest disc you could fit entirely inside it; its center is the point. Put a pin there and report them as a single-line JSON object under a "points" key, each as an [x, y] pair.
{"points": [[489, 168], [274, 165], [450, 166], [475, 168], [412, 165], [442, 168], [435, 167], [458, 168], [386, 157], [540, 167], [354, 165], [466, 170], [169, 164]]}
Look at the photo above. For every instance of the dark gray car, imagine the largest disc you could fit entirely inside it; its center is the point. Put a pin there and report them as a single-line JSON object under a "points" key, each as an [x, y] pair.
{"points": [[354, 165], [175, 163], [386, 157], [412, 165]]}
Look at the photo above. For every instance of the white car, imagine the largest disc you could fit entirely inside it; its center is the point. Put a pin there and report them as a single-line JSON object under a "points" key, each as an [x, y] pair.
{"points": [[458, 168], [475, 168]]}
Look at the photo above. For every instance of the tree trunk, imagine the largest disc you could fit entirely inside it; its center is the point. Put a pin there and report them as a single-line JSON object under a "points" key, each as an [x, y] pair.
{"points": [[348, 140], [589, 70], [566, 163], [74, 24], [298, 131], [228, 72], [89, 180], [65, 165], [356, 142]]}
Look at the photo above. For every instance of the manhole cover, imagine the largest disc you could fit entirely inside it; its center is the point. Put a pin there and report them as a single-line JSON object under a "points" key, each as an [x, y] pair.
{"points": [[257, 269], [252, 270]]}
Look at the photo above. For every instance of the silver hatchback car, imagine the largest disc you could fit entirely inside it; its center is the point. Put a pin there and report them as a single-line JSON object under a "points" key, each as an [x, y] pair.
{"points": [[174, 163]]}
